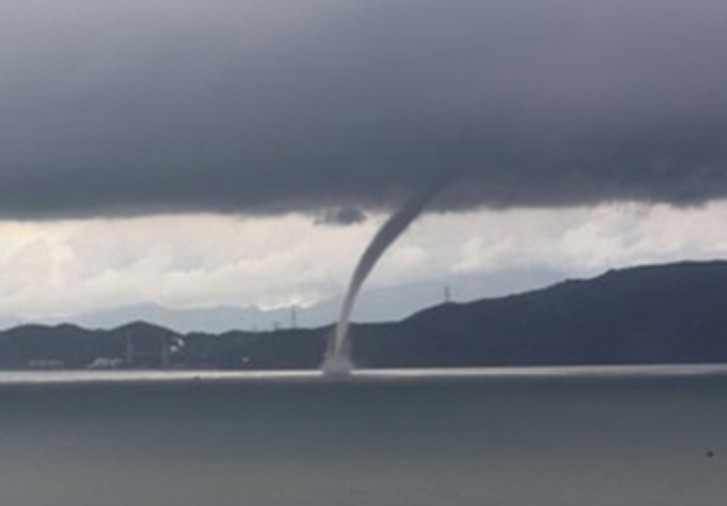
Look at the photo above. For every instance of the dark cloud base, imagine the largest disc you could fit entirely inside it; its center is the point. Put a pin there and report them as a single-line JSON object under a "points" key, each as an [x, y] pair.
{"points": [[359, 104]]}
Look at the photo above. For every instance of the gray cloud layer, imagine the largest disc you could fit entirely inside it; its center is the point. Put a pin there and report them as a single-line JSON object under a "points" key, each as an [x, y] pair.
{"points": [[265, 106]]}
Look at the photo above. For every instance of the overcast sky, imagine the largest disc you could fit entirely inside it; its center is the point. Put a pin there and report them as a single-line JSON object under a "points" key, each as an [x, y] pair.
{"points": [[182, 261], [192, 152]]}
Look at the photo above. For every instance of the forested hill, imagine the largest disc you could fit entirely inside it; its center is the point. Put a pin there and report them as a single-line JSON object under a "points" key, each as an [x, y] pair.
{"points": [[657, 314]]}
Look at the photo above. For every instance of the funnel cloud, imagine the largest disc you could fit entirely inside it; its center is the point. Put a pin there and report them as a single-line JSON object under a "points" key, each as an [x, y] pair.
{"points": [[339, 360]]}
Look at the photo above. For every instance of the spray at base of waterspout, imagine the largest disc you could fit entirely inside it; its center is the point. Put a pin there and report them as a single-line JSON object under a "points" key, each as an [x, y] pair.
{"points": [[337, 367]]}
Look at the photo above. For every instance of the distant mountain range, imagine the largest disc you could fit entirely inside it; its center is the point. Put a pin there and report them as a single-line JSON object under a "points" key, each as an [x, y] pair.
{"points": [[380, 304], [644, 315]]}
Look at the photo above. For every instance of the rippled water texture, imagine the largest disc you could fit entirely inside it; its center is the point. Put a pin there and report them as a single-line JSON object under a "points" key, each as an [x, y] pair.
{"points": [[531, 437]]}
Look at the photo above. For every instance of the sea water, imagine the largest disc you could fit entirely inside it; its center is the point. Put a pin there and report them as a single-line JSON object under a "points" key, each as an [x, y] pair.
{"points": [[512, 436]]}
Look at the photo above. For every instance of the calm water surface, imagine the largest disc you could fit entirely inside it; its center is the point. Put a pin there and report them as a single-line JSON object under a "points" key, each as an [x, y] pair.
{"points": [[518, 436]]}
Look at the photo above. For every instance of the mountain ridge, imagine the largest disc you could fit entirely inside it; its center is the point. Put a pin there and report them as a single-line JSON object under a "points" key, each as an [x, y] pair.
{"points": [[673, 313], [374, 304]]}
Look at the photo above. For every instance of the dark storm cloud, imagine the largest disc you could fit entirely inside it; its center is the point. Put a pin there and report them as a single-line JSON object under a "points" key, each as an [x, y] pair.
{"points": [[266, 106], [341, 216]]}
